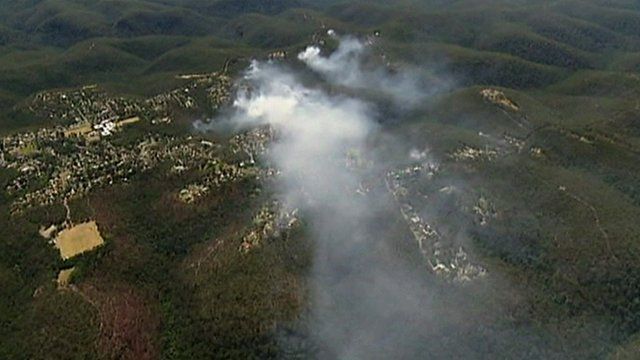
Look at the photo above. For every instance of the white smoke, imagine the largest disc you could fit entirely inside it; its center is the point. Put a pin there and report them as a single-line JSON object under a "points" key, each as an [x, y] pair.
{"points": [[369, 300], [345, 67], [315, 132], [353, 290]]}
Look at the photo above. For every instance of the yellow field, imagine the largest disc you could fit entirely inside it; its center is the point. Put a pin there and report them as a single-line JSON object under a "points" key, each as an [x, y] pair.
{"points": [[64, 277], [78, 239], [131, 120], [79, 130]]}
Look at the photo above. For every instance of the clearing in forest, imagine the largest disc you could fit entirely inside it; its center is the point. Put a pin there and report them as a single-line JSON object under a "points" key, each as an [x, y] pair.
{"points": [[64, 277], [78, 239]]}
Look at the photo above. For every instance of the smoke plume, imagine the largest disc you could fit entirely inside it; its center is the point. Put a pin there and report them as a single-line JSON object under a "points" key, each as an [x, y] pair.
{"points": [[315, 132], [324, 160], [370, 299], [347, 66]]}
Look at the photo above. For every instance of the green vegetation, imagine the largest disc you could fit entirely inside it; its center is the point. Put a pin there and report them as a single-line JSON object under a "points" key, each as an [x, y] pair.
{"points": [[566, 240]]}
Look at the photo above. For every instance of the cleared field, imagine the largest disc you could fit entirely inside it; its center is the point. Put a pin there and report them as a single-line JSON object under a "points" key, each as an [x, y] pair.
{"points": [[78, 239], [78, 130], [129, 121], [64, 276]]}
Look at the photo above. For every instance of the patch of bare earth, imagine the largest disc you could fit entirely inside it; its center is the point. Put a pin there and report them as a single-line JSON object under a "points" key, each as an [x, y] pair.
{"points": [[78, 239]]}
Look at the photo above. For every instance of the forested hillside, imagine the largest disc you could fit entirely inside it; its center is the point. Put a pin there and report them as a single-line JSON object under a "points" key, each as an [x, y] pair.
{"points": [[531, 113]]}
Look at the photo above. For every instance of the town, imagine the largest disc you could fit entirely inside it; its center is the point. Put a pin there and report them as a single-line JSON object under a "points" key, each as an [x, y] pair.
{"points": [[88, 147]]}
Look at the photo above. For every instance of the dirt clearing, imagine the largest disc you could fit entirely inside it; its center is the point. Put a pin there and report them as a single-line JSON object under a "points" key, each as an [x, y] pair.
{"points": [[64, 277], [78, 239]]}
